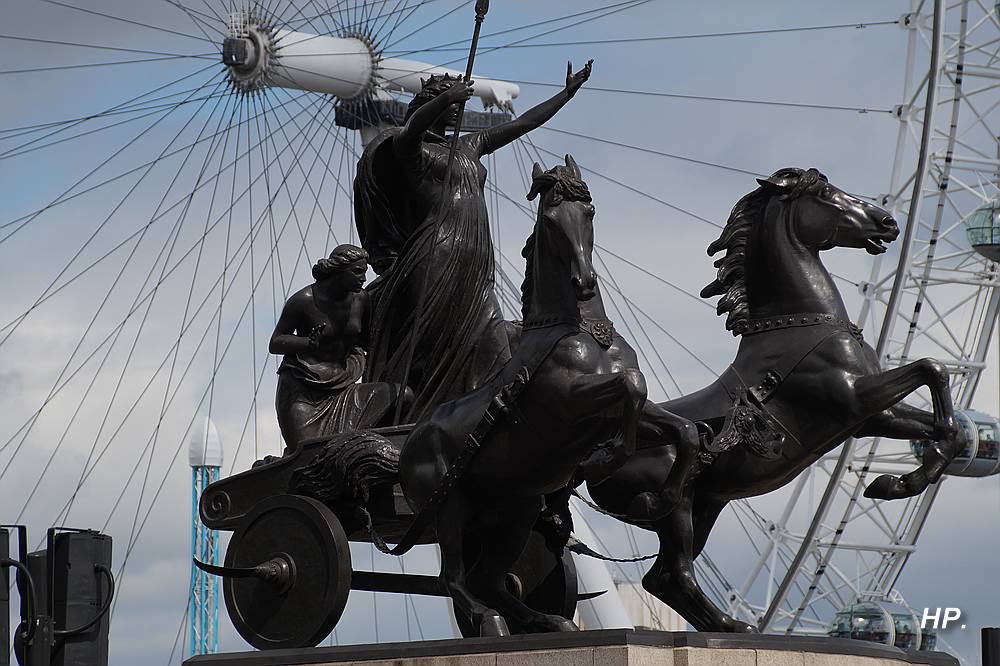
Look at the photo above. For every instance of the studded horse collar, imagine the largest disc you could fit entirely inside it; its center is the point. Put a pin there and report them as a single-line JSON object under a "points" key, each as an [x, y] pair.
{"points": [[774, 323]]}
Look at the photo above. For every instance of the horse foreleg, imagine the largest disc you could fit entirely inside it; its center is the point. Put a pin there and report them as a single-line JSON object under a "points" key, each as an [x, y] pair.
{"points": [[669, 429], [452, 522], [672, 579], [597, 392], [882, 392]]}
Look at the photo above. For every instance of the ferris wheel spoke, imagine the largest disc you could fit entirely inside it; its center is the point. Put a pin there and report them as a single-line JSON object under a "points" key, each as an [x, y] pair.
{"points": [[385, 43], [631, 304], [102, 47], [64, 382], [202, 21], [89, 65], [651, 151], [507, 31], [159, 29], [219, 359], [89, 388], [128, 106], [636, 190], [667, 38], [66, 125], [119, 176], [10, 330], [380, 28], [615, 293], [318, 155], [487, 50], [324, 16], [79, 345]]}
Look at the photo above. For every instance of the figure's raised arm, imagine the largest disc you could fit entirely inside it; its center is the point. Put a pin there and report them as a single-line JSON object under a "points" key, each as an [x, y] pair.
{"points": [[499, 136], [429, 115]]}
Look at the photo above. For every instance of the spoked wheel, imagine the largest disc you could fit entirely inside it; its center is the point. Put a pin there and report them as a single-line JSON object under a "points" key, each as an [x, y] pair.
{"points": [[302, 563], [545, 581]]}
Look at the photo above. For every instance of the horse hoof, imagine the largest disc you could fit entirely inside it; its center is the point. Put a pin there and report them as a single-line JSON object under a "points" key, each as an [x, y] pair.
{"points": [[550, 623], [493, 625], [734, 626], [566, 625], [888, 487]]}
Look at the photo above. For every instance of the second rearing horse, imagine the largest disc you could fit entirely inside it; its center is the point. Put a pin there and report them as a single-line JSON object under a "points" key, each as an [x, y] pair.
{"points": [[802, 382], [573, 397]]}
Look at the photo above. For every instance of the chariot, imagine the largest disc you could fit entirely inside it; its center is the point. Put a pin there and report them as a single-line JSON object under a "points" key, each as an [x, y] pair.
{"points": [[288, 573]]}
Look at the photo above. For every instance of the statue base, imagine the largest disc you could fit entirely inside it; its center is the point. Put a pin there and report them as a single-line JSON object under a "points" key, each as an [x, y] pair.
{"points": [[608, 647]]}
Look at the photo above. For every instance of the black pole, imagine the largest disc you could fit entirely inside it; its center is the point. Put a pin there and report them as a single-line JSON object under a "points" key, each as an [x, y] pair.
{"points": [[991, 646], [482, 7]]}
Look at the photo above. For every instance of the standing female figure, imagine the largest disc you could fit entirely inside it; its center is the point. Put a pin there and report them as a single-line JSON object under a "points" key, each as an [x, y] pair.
{"points": [[322, 332], [437, 324]]}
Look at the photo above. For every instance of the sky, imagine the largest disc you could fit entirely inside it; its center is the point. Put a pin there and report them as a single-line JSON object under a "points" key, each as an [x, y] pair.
{"points": [[123, 281]]}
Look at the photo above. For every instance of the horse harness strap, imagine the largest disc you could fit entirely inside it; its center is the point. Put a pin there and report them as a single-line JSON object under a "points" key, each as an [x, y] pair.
{"points": [[512, 380], [749, 422], [602, 330]]}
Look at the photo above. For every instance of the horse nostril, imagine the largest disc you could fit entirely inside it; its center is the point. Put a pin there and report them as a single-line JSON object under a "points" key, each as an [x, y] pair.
{"points": [[888, 222]]}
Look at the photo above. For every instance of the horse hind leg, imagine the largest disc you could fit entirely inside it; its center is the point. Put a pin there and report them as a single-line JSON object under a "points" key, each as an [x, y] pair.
{"points": [[882, 392], [502, 543], [672, 579]]}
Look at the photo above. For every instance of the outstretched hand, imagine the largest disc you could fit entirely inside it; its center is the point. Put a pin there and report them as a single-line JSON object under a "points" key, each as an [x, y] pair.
{"points": [[575, 81]]}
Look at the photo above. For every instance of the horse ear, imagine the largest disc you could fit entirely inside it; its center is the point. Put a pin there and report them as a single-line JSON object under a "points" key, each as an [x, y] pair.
{"points": [[537, 171], [780, 182], [571, 163]]}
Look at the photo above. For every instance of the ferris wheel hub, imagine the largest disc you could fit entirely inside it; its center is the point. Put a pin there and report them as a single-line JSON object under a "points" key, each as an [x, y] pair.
{"points": [[247, 54]]}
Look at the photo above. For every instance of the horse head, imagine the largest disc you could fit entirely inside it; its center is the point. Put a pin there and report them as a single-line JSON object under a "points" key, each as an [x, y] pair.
{"points": [[772, 241], [565, 223], [828, 217]]}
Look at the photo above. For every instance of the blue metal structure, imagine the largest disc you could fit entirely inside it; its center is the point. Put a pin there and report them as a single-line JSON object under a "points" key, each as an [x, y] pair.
{"points": [[205, 458]]}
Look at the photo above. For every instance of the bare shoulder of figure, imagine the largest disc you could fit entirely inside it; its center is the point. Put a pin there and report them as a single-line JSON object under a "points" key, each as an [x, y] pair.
{"points": [[301, 298]]}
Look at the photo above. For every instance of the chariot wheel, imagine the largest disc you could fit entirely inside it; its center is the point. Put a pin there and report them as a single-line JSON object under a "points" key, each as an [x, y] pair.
{"points": [[302, 563], [546, 582]]}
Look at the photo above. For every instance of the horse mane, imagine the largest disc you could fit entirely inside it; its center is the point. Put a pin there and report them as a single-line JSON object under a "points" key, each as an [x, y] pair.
{"points": [[560, 183], [730, 281]]}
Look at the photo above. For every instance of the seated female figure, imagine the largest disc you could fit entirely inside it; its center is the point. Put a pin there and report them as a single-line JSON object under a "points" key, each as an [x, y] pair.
{"points": [[322, 332]]}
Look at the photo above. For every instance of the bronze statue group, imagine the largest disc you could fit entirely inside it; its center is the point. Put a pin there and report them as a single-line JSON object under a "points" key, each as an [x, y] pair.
{"points": [[509, 417]]}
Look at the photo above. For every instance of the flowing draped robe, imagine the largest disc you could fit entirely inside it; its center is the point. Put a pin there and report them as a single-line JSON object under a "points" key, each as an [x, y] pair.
{"points": [[438, 297]]}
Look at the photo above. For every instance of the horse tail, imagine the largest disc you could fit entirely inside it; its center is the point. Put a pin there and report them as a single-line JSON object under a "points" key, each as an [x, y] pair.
{"points": [[347, 468]]}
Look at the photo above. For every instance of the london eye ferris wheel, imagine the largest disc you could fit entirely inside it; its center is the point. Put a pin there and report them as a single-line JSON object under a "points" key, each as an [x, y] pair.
{"points": [[170, 171]]}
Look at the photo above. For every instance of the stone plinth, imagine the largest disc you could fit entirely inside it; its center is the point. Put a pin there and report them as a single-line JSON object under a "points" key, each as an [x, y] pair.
{"points": [[610, 647]]}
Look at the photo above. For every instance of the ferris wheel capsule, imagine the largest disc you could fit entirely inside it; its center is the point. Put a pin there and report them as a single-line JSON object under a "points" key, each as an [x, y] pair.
{"points": [[983, 230], [880, 622], [981, 456]]}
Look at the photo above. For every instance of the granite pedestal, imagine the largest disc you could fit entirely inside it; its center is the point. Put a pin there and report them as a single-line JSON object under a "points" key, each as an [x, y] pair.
{"points": [[610, 647]]}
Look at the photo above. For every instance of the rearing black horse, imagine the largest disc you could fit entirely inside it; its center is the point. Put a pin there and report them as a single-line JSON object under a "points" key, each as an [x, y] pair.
{"points": [[576, 395], [802, 382]]}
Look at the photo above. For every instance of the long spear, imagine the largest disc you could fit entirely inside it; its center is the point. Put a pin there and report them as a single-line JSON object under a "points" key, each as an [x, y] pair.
{"points": [[482, 8]]}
